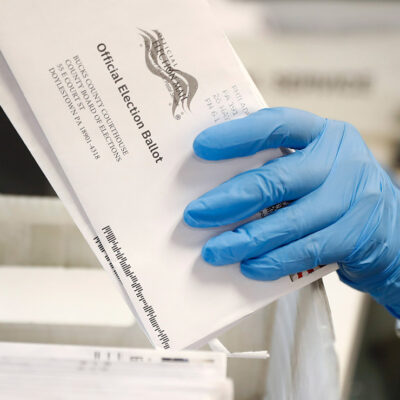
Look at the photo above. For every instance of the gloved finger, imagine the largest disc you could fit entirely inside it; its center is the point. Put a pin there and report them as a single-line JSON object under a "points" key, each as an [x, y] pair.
{"points": [[287, 178], [323, 247], [299, 219], [283, 179], [264, 129]]}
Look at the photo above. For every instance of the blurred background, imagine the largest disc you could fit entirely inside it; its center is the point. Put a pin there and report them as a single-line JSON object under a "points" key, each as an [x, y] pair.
{"points": [[339, 59]]}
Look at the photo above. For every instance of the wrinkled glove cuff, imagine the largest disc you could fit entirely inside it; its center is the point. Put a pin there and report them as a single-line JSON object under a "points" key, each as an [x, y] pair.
{"points": [[390, 297], [388, 293], [384, 287]]}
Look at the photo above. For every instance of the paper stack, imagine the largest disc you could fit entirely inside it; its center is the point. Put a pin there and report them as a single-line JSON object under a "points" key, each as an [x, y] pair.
{"points": [[74, 372], [108, 96]]}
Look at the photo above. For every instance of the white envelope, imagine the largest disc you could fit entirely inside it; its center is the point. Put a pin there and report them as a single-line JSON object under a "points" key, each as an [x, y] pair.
{"points": [[111, 96], [86, 372]]}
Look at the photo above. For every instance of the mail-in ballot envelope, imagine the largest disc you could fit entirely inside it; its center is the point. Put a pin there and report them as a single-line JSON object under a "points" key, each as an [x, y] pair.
{"points": [[109, 96]]}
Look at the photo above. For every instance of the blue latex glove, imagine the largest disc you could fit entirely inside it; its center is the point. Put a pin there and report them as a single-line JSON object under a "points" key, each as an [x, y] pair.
{"points": [[345, 207]]}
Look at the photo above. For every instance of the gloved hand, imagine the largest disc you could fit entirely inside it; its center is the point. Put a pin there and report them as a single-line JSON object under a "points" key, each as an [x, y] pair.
{"points": [[345, 207]]}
